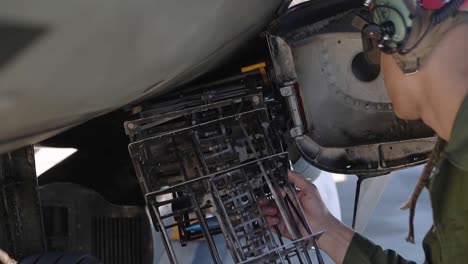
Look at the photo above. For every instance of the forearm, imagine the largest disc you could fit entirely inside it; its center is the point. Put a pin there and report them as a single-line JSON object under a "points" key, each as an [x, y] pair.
{"points": [[336, 239], [344, 246]]}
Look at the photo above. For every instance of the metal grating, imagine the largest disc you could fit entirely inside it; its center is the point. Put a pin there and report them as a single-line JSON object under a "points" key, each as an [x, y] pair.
{"points": [[203, 163]]}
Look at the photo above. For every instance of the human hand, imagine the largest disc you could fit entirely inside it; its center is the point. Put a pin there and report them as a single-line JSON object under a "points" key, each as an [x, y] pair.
{"points": [[315, 210], [337, 236]]}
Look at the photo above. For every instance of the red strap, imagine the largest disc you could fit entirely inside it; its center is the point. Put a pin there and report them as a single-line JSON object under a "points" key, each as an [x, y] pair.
{"points": [[437, 4]]}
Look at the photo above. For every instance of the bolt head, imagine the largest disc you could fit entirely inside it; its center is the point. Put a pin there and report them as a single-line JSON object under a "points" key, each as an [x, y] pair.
{"points": [[256, 99]]}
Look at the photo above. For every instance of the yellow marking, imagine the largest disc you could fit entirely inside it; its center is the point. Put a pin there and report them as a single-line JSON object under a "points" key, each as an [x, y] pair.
{"points": [[175, 234], [253, 67], [259, 66]]}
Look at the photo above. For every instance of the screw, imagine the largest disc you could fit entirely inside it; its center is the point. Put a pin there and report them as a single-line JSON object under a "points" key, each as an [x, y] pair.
{"points": [[131, 126], [256, 100]]}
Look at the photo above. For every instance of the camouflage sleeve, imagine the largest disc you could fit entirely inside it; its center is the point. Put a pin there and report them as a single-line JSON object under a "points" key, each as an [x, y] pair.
{"points": [[363, 251]]}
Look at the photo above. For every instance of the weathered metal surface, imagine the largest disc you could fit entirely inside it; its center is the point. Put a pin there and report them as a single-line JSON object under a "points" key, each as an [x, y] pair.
{"points": [[350, 125], [21, 229]]}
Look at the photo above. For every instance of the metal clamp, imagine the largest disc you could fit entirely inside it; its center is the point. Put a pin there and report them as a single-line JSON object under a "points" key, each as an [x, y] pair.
{"points": [[290, 94]]}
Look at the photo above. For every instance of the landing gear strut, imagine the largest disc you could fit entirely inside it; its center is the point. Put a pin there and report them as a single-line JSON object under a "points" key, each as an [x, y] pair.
{"points": [[21, 227]]}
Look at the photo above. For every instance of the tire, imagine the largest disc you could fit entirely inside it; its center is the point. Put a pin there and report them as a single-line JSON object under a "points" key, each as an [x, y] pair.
{"points": [[60, 258]]}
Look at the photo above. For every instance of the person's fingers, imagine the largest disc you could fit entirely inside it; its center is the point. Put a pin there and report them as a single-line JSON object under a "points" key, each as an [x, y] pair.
{"points": [[272, 221], [298, 180], [283, 193], [263, 201], [269, 210]]}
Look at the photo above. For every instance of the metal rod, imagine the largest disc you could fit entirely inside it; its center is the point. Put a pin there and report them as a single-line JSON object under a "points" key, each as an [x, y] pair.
{"points": [[148, 122], [356, 200], [193, 199], [196, 146], [251, 112], [183, 211], [285, 246], [303, 249], [167, 242], [169, 190], [271, 240], [280, 238], [267, 138], [279, 201], [301, 214], [291, 205], [276, 196], [215, 191], [204, 227]]}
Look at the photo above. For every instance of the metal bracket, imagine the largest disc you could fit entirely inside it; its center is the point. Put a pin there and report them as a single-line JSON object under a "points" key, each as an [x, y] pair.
{"points": [[282, 59], [290, 94]]}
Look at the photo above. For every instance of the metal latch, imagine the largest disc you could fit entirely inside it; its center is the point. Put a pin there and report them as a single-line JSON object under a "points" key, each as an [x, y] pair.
{"points": [[289, 93]]}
